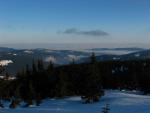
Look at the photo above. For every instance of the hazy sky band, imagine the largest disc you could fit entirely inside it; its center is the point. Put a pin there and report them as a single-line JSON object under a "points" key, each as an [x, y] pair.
{"points": [[93, 21]]}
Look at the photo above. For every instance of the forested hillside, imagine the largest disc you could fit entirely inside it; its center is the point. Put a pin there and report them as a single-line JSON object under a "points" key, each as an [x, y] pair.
{"points": [[88, 80]]}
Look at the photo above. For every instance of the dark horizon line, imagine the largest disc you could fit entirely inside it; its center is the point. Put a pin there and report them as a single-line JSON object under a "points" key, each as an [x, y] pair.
{"points": [[72, 46]]}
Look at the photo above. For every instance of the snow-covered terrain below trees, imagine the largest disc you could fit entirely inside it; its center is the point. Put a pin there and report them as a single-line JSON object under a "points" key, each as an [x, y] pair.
{"points": [[119, 102]]}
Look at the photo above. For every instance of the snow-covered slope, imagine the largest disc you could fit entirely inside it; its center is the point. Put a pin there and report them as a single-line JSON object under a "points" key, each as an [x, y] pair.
{"points": [[119, 102]]}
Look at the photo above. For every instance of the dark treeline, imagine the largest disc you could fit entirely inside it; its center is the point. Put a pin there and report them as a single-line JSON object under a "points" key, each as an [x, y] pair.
{"points": [[87, 80]]}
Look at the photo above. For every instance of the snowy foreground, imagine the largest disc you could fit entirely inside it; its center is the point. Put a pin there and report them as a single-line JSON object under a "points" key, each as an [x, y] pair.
{"points": [[119, 102]]}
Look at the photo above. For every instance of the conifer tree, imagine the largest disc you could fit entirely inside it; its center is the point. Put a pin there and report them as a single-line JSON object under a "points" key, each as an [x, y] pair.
{"points": [[13, 104], [15, 99], [40, 65], [61, 86], [30, 95], [34, 67], [38, 99], [105, 109], [93, 89], [50, 67], [1, 93], [1, 87]]}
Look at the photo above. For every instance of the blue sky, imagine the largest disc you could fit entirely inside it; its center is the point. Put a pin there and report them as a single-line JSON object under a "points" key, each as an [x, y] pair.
{"points": [[75, 21]]}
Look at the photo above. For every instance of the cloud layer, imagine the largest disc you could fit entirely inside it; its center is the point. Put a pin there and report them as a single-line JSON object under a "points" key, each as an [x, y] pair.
{"points": [[88, 33]]}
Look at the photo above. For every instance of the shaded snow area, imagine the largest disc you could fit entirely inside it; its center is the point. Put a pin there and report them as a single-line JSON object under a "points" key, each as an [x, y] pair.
{"points": [[119, 102]]}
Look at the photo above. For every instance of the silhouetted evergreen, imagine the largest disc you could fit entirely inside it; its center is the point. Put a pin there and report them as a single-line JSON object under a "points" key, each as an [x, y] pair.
{"points": [[92, 89], [105, 109]]}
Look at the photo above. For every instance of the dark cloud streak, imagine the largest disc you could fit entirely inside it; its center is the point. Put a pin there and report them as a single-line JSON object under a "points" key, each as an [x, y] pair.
{"points": [[87, 33]]}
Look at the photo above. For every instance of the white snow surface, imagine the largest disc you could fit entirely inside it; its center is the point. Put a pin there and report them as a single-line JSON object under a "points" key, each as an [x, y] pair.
{"points": [[28, 51], [5, 62], [72, 57], [50, 59], [119, 102]]}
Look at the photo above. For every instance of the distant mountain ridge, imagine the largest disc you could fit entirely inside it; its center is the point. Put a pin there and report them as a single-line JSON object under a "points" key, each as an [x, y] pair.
{"points": [[5, 49], [21, 57], [124, 49]]}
